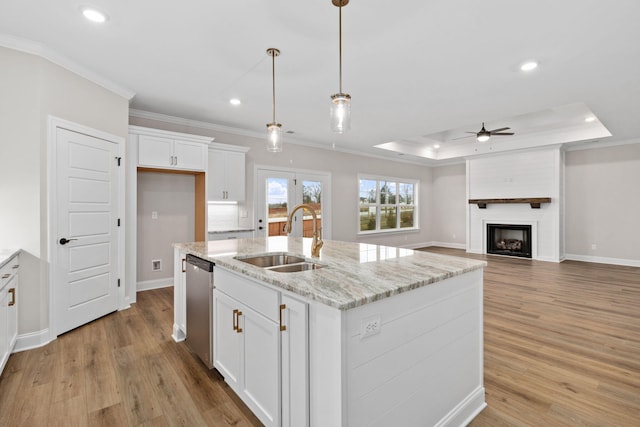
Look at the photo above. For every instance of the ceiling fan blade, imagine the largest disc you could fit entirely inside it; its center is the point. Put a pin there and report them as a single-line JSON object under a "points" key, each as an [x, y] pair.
{"points": [[503, 133], [463, 137], [498, 130]]}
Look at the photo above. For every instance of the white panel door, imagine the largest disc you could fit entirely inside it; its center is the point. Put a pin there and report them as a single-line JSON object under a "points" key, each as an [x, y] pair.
{"points": [[86, 197]]}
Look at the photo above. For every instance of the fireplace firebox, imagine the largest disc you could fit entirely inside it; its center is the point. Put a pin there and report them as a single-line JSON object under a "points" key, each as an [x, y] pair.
{"points": [[509, 239]]}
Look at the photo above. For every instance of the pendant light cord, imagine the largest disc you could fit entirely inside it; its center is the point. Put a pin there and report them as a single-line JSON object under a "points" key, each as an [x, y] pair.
{"points": [[273, 79], [340, 48]]}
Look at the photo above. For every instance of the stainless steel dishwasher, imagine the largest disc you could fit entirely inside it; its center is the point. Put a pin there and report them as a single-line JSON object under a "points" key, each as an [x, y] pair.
{"points": [[199, 293]]}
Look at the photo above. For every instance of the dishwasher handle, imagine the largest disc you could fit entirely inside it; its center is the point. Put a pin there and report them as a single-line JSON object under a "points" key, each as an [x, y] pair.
{"points": [[200, 263]]}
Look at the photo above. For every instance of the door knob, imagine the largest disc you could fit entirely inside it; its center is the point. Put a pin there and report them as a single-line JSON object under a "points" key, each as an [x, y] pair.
{"points": [[64, 241]]}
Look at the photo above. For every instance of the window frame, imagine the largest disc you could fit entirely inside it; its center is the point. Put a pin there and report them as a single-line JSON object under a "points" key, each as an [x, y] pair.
{"points": [[379, 179]]}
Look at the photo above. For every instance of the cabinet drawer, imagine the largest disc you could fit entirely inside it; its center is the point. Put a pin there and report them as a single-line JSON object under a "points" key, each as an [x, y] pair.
{"points": [[255, 295], [8, 271]]}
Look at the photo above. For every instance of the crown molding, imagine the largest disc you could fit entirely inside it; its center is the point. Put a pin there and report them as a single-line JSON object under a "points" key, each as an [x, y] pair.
{"points": [[43, 51], [245, 132]]}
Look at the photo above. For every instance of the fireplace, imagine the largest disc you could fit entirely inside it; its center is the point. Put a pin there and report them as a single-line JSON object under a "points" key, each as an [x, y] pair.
{"points": [[509, 239]]}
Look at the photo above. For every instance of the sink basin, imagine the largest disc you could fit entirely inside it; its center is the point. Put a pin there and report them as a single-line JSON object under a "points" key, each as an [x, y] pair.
{"points": [[301, 266], [272, 260]]}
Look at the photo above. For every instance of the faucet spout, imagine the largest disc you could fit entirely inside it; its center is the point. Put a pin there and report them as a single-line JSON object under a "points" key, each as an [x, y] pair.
{"points": [[316, 242]]}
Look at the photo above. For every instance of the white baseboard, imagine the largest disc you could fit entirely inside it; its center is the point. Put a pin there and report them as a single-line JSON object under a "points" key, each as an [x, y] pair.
{"points": [[154, 284], [32, 340], [466, 411], [441, 244], [603, 260]]}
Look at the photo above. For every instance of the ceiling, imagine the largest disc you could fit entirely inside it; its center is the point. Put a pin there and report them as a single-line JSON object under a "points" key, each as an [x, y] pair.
{"points": [[419, 72]]}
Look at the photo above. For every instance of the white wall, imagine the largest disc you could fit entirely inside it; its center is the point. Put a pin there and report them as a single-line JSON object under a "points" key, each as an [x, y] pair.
{"points": [[32, 89], [448, 205], [344, 168], [603, 204], [519, 175], [172, 197]]}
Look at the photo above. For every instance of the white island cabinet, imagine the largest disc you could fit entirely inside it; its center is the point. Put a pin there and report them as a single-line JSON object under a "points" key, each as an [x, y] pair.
{"points": [[379, 336]]}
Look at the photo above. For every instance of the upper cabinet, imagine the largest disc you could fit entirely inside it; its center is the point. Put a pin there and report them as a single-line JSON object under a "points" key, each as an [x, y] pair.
{"points": [[226, 175], [170, 150]]}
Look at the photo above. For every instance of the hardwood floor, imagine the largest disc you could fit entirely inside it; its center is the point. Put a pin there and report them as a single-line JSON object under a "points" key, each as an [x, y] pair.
{"points": [[562, 348], [121, 370], [561, 343]]}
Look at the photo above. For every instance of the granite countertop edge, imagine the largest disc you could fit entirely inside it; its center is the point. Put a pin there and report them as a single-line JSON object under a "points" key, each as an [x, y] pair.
{"points": [[358, 284]]}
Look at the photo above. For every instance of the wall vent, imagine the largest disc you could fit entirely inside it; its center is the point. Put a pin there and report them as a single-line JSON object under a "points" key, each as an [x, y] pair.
{"points": [[156, 265]]}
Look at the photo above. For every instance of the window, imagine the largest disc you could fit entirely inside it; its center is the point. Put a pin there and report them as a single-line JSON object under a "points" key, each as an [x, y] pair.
{"points": [[387, 204]]}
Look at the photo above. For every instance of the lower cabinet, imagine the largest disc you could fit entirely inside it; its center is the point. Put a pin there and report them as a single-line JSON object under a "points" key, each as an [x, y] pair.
{"points": [[179, 295], [8, 310], [260, 347]]}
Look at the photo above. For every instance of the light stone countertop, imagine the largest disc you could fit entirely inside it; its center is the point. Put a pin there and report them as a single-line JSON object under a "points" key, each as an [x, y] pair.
{"points": [[356, 273], [230, 230], [6, 255]]}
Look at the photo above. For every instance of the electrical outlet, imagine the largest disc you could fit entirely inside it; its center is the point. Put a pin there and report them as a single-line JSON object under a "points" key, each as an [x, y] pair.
{"points": [[156, 265], [243, 213], [593, 247], [454, 235], [370, 326], [154, 215]]}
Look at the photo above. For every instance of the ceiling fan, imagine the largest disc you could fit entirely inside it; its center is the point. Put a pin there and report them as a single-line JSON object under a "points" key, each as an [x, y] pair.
{"points": [[484, 135]]}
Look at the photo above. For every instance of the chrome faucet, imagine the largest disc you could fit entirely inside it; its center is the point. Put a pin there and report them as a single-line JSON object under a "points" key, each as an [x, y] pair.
{"points": [[316, 243]]}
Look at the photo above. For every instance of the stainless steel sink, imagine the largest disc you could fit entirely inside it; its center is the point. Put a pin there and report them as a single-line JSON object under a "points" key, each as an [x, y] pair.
{"points": [[282, 263], [302, 266], [272, 260]]}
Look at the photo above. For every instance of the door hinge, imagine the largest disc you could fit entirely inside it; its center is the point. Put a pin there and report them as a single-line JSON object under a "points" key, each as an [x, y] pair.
{"points": [[118, 159], [118, 222], [118, 282]]}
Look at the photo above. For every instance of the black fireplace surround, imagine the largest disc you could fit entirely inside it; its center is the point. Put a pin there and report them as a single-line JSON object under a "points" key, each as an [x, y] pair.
{"points": [[509, 239]]}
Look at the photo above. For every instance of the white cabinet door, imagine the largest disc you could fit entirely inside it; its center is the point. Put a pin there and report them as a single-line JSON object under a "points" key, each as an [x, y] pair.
{"points": [[235, 176], [217, 180], [189, 155], [4, 315], [155, 151], [227, 341], [261, 366], [295, 363], [226, 180], [12, 314], [179, 295]]}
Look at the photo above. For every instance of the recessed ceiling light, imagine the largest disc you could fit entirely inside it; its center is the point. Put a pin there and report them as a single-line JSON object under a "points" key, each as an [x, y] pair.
{"points": [[235, 101], [94, 15], [529, 66], [590, 119], [436, 146]]}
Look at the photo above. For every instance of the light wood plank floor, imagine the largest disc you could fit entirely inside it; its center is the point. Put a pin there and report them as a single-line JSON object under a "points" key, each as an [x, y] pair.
{"points": [[562, 348]]}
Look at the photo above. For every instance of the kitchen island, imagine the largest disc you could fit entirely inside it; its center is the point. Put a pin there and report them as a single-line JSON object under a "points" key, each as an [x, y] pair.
{"points": [[372, 335]]}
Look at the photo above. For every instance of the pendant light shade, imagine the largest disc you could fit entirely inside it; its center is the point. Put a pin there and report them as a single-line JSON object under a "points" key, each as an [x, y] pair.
{"points": [[274, 129], [340, 102]]}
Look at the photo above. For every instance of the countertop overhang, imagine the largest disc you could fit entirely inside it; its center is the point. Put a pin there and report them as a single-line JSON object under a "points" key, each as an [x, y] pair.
{"points": [[356, 273]]}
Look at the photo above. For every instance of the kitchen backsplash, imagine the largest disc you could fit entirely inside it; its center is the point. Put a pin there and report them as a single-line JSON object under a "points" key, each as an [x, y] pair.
{"points": [[222, 216]]}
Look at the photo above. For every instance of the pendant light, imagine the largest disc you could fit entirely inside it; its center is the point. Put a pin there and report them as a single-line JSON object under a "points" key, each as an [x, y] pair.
{"points": [[340, 102], [274, 129]]}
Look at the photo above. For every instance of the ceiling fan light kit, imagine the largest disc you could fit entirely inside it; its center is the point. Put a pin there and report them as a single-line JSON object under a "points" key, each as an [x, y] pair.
{"points": [[340, 111], [274, 129]]}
